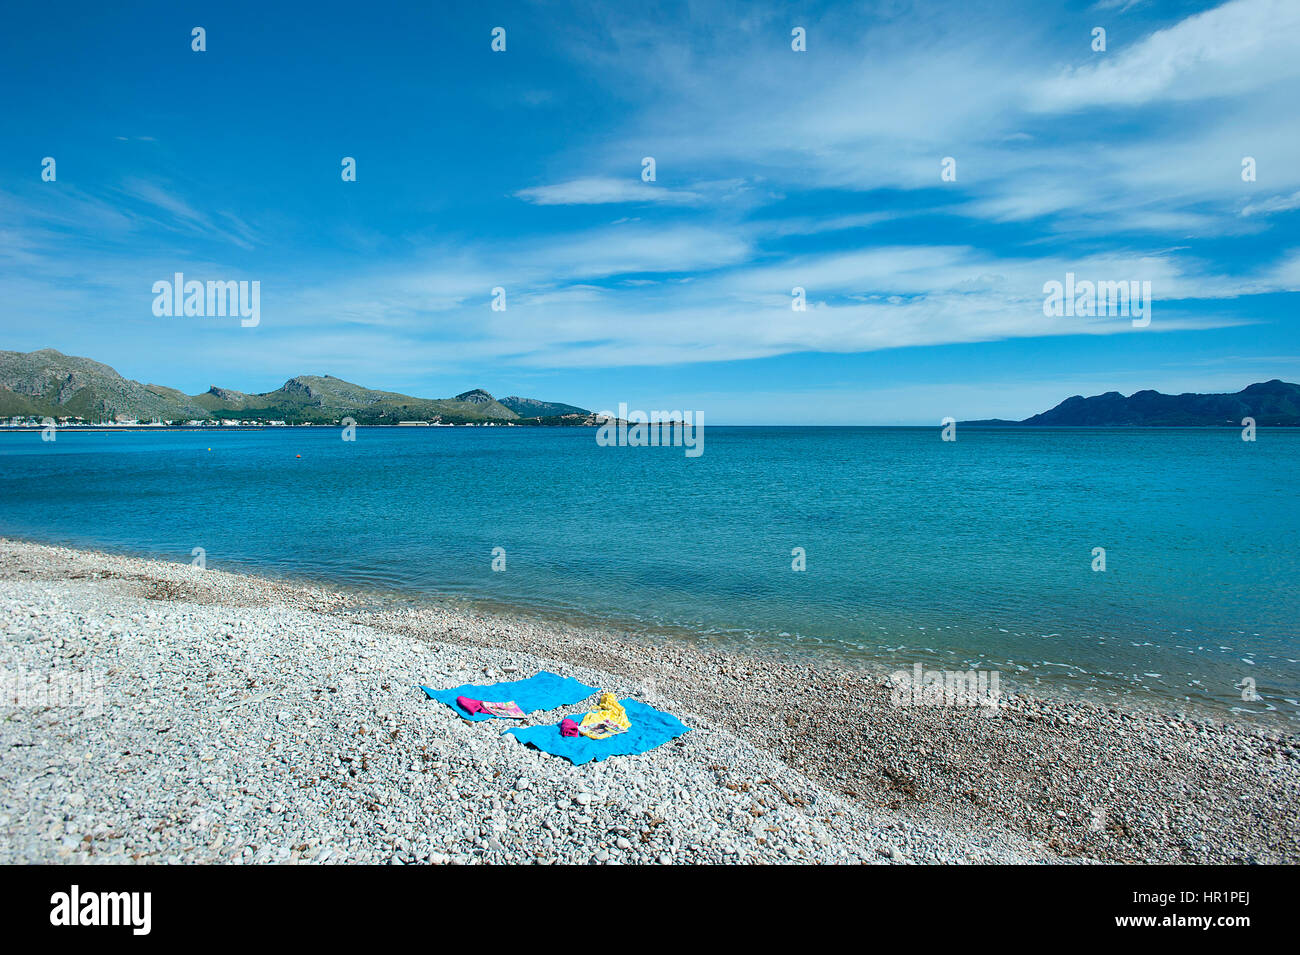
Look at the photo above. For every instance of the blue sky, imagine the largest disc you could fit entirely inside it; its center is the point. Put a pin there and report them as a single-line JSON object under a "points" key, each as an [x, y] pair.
{"points": [[774, 169]]}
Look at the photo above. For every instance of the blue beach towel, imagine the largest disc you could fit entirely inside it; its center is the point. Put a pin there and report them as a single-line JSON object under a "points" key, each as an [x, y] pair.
{"points": [[650, 728], [545, 691]]}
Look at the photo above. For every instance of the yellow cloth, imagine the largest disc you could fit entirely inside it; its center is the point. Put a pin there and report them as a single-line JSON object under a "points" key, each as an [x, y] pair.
{"points": [[608, 710]]}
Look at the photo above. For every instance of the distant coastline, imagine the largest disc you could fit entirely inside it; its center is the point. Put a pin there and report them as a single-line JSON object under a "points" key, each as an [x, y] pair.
{"points": [[1269, 404], [208, 428], [40, 387], [991, 425]]}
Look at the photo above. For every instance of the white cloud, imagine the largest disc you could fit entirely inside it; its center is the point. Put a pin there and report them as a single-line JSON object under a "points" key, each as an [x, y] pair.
{"points": [[183, 217], [1264, 207], [1240, 46], [598, 191], [870, 113], [864, 300]]}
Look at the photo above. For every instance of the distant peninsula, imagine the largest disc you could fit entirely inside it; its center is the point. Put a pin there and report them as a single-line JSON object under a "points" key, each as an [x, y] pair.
{"points": [[71, 390], [1270, 403]]}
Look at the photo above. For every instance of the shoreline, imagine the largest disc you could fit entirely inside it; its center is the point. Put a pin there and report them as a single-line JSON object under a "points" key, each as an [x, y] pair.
{"points": [[1045, 779], [826, 655]]}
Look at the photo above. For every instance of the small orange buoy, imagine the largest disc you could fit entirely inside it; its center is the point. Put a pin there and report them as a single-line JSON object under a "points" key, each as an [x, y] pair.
{"points": [[297, 455]]}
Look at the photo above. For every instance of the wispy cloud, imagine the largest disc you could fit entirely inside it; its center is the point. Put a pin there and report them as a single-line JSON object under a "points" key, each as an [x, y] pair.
{"points": [[599, 191], [1264, 207], [1230, 50], [172, 212], [775, 169]]}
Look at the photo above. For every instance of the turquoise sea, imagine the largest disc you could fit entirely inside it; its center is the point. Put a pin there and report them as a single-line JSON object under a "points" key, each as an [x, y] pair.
{"points": [[976, 553]]}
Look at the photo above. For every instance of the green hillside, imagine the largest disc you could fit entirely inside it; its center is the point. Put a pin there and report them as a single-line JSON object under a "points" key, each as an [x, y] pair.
{"points": [[532, 408], [325, 399], [47, 382]]}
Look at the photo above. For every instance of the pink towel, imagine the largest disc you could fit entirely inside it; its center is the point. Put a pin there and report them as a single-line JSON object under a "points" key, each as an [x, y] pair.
{"points": [[470, 706], [569, 728]]}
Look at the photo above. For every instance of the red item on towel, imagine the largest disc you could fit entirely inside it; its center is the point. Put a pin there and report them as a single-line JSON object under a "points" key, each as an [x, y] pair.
{"points": [[471, 707], [568, 728]]}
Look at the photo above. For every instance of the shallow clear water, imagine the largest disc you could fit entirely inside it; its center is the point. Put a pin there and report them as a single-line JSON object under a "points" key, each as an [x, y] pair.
{"points": [[975, 552]]}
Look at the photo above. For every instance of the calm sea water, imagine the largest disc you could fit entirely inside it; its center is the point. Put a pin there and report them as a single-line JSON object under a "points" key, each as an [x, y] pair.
{"points": [[973, 553]]}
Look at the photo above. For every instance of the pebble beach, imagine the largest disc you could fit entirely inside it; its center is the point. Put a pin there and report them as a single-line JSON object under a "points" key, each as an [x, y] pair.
{"points": [[231, 718]]}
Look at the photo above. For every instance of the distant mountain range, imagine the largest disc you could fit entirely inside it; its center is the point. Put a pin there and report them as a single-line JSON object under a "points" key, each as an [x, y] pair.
{"points": [[48, 383], [1271, 403]]}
